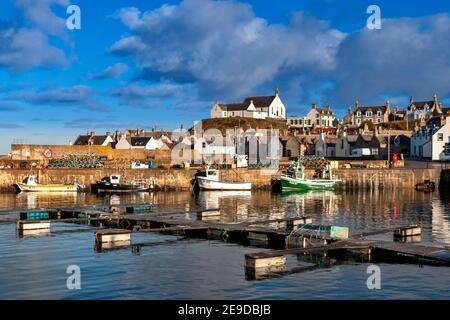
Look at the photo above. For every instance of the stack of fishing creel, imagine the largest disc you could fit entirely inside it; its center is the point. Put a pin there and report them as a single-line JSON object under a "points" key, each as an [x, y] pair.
{"points": [[314, 162], [76, 161]]}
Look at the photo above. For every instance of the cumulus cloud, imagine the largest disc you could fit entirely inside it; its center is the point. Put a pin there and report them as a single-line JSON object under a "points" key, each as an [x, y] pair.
{"points": [[113, 71], [75, 96], [227, 54], [22, 49], [408, 56], [26, 44], [150, 96], [235, 53], [161, 90], [39, 15]]}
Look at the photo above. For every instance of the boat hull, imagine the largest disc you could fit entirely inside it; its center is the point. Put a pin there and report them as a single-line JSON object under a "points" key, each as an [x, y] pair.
{"points": [[209, 184], [121, 188], [289, 183], [47, 188]]}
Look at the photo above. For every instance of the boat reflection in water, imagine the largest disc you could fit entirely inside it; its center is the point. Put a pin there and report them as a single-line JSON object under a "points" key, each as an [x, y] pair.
{"points": [[111, 199], [211, 199], [304, 200], [233, 205], [33, 200]]}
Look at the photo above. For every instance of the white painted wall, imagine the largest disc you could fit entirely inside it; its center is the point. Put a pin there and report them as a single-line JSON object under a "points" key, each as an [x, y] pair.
{"points": [[216, 112], [277, 108], [152, 144], [438, 144], [343, 147], [107, 141], [123, 143]]}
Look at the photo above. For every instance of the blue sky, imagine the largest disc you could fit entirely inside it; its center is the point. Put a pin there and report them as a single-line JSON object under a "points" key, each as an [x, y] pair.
{"points": [[164, 63]]}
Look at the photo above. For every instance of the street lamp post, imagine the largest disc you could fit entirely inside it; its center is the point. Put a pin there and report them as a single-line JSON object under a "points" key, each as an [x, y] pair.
{"points": [[389, 149]]}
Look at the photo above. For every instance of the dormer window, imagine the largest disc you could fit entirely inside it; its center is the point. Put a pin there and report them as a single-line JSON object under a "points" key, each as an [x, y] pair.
{"points": [[358, 113], [368, 113], [379, 113]]}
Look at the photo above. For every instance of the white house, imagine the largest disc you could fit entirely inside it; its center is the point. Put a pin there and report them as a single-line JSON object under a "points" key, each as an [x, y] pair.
{"points": [[317, 117], [423, 109], [345, 144], [147, 143], [326, 146], [252, 107], [91, 139], [432, 141], [375, 114]]}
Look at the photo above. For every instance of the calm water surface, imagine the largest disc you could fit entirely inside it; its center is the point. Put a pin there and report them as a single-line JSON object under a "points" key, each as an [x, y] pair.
{"points": [[171, 267]]}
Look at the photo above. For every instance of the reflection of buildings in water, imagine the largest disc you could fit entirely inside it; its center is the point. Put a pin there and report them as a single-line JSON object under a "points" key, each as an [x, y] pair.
{"points": [[235, 203], [111, 200], [440, 221], [128, 198], [326, 202], [242, 211], [211, 199], [33, 200]]}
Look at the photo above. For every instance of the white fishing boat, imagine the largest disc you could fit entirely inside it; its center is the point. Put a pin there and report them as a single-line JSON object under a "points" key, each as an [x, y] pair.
{"points": [[211, 181], [30, 184]]}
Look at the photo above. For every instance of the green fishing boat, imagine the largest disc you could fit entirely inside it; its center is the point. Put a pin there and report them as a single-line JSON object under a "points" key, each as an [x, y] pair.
{"points": [[295, 179]]}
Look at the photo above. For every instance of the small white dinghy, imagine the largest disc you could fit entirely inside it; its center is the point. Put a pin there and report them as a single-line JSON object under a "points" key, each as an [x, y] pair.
{"points": [[30, 184], [211, 181]]}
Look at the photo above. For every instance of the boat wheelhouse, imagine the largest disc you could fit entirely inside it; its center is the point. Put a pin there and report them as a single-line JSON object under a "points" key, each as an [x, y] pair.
{"points": [[210, 181], [295, 177]]}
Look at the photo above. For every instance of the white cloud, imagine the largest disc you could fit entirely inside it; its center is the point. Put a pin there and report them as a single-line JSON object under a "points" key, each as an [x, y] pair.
{"points": [[408, 56], [227, 54], [113, 71], [22, 49], [75, 96], [39, 15], [26, 44]]}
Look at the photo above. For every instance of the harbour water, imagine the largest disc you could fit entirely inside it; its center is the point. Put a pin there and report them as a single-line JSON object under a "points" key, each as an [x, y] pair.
{"points": [[172, 267]]}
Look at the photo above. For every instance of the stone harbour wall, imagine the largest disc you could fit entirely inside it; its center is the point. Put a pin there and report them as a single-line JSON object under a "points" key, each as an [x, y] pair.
{"points": [[179, 179]]}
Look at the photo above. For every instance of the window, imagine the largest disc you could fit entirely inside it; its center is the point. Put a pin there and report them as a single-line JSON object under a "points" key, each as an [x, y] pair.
{"points": [[342, 143], [368, 113], [447, 149], [358, 113], [440, 137], [379, 113], [378, 120], [358, 121]]}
